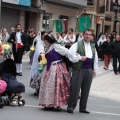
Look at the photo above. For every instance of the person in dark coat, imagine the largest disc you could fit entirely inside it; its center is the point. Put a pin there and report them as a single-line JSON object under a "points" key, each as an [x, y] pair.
{"points": [[107, 53], [19, 47], [93, 41], [100, 51], [115, 48]]}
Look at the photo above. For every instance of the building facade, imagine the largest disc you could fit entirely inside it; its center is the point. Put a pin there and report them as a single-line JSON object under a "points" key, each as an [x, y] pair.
{"points": [[96, 9], [28, 14], [36, 15], [104, 14], [110, 16], [62, 9]]}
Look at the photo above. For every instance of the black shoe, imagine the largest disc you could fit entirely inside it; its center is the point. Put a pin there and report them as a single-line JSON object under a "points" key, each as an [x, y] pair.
{"points": [[116, 73], [35, 94], [20, 74], [59, 108], [48, 108], [69, 110], [17, 73], [84, 111]]}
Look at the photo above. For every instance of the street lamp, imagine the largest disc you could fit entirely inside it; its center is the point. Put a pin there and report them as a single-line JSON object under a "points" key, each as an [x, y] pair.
{"points": [[116, 6]]}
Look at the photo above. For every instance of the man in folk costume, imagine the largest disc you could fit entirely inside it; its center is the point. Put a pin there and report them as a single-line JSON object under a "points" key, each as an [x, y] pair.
{"points": [[19, 47], [85, 61], [69, 39]]}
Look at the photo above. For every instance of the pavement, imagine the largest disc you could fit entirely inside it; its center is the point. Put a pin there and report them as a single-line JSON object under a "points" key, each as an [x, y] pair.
{"points": [[103, 103]]}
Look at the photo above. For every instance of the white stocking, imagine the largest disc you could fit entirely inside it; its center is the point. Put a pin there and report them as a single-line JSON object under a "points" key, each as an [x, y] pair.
{"points": [[17, 68], [20, 68]]}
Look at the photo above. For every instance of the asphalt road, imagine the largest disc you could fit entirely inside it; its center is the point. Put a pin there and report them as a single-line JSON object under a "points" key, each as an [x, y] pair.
{"points": [[101, 109]]}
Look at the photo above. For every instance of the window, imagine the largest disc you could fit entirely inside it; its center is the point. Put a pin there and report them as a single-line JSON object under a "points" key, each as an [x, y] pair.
{"points": [[90, 2], [46, 18]]}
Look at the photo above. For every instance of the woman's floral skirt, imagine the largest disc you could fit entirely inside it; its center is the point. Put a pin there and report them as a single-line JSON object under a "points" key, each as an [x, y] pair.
{"points": [[55, 86]]}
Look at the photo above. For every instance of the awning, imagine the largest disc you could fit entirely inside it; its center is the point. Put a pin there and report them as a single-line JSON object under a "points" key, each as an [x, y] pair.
{"points": [[77, 4], [18, 7]]}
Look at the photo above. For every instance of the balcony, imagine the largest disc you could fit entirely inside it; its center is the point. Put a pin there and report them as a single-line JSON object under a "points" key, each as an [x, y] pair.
{"points": [[70, 3]]}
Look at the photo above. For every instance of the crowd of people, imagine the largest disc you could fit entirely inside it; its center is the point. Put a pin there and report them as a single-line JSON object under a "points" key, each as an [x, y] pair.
{"points": [[109, 47], [71, 63]]}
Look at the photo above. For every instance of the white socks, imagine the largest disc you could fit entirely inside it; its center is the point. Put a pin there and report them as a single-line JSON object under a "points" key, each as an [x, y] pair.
{"points": [[19, 68]]}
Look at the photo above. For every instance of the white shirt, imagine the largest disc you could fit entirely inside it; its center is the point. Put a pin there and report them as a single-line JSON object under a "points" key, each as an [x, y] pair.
{"points": [[88, 53], [60, 49], [69, 39], [18, 36], [60, 40]]}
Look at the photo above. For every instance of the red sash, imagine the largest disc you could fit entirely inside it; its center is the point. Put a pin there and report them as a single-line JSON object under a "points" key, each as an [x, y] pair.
{"points": [[19, 45]]}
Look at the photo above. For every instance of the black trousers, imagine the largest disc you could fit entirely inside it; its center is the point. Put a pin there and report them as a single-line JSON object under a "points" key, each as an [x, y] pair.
{"points": [[18, 54], [115, 67]]}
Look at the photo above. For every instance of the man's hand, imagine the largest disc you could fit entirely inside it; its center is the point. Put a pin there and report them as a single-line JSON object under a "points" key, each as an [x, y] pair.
{"points": [[83, 58], [94, 74]]}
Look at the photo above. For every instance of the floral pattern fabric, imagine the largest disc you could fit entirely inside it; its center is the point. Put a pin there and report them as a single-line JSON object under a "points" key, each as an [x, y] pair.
{"points": [[55, 86]]}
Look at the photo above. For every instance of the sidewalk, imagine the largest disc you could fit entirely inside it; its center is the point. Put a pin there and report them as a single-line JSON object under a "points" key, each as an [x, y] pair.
{"points": [[106, 84]]}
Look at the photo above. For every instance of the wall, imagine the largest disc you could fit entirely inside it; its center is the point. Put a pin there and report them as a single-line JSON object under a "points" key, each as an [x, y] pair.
{"points": [[9, 20], [58, 10], [79, 2]]}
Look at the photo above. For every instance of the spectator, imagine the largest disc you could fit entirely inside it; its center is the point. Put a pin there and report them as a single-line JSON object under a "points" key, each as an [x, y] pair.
{"points": [[107, 53], [115, 48]]}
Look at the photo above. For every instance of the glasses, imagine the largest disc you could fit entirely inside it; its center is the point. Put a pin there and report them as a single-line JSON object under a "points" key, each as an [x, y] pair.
{"points": [[88, 34]]}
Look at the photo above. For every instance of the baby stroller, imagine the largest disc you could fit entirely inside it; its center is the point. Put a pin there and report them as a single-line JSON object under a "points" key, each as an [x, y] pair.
{"points": [[14, 88], [3, 86]]}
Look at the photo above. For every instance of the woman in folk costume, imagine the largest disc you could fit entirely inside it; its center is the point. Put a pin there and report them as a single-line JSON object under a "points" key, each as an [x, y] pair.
{"points": [[5, 35], [100, 42], [55, 81], [34, 68]]}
